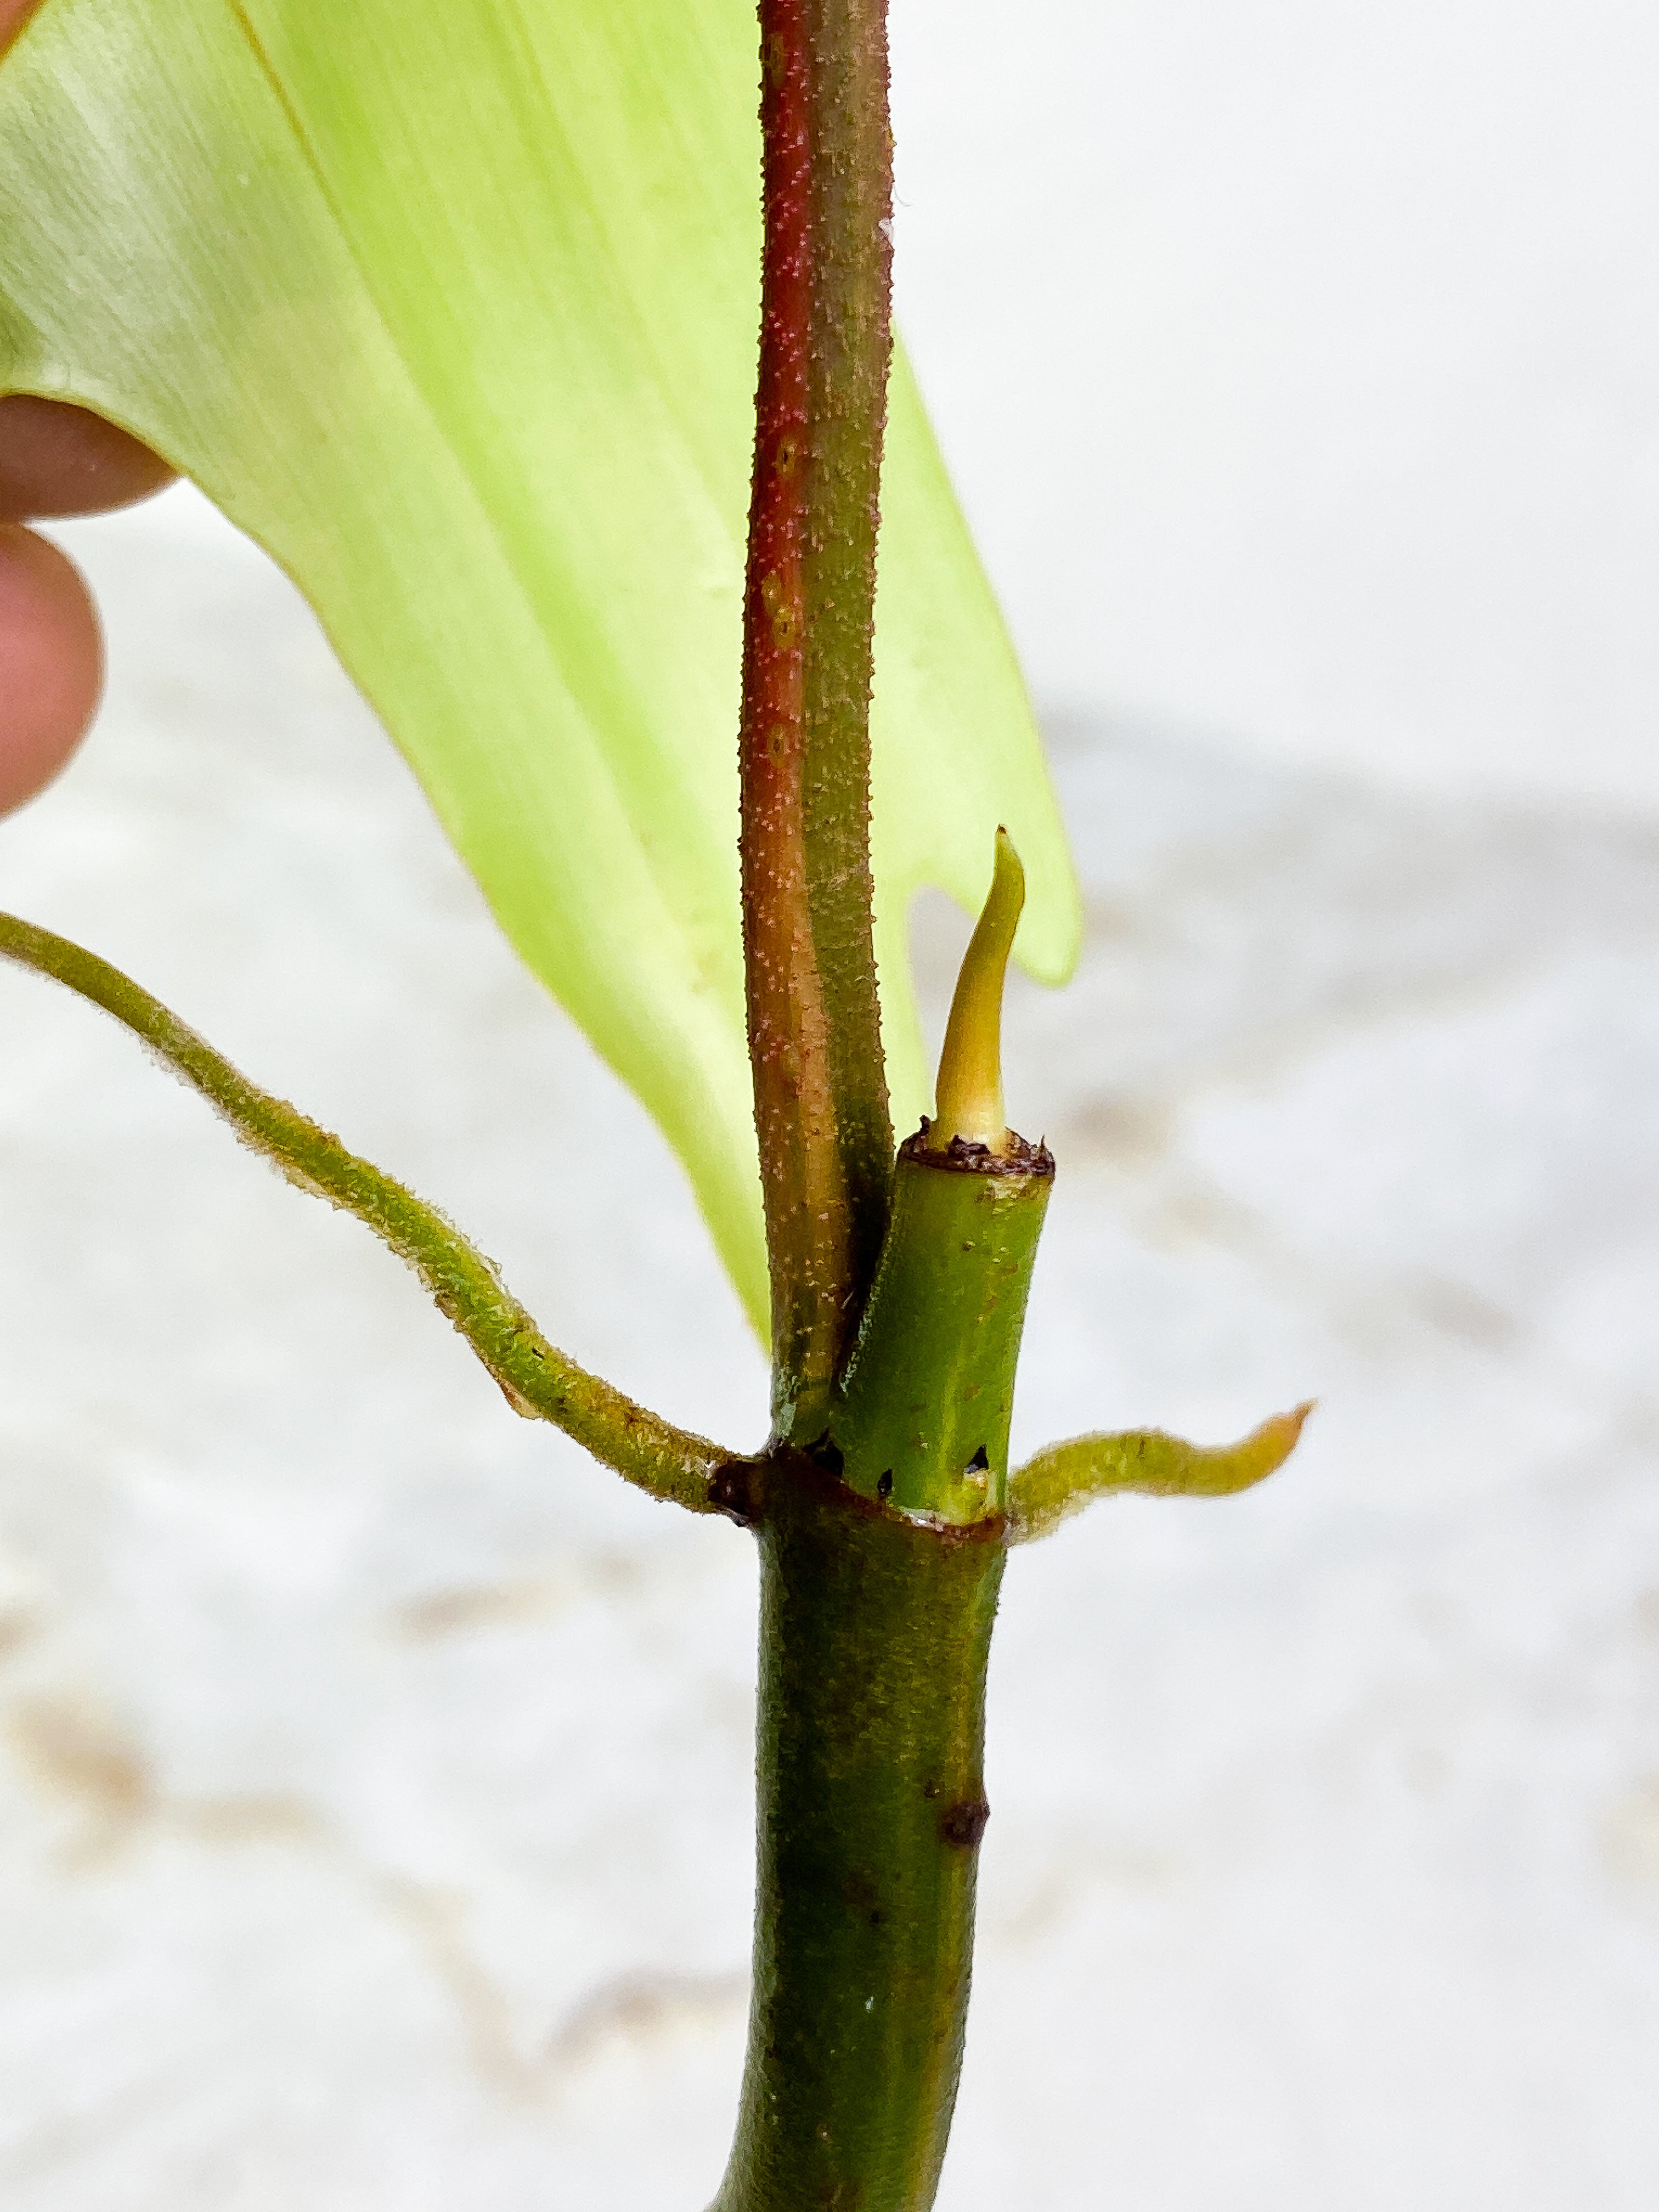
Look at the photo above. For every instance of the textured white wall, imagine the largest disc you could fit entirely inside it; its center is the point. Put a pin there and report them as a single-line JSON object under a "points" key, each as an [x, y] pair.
{"points": [[1299, 362]]}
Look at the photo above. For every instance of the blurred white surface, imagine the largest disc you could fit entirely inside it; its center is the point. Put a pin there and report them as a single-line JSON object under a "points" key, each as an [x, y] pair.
{"points": [[375, 1799], [1299, 362]]}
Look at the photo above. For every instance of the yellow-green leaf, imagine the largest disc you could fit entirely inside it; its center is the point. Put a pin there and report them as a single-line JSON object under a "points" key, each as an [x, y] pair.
{"points": [[453, 309]]}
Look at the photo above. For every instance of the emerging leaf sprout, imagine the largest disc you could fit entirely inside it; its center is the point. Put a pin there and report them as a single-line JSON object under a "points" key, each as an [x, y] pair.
{"points": [[968, 1094]]}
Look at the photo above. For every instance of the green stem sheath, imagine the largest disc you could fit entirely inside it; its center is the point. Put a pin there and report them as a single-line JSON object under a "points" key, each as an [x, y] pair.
{"points": [[919, 1418]]}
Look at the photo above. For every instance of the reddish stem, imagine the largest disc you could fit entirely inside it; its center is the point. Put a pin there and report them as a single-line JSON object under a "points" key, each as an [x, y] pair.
{"points": [[820, 1087]]}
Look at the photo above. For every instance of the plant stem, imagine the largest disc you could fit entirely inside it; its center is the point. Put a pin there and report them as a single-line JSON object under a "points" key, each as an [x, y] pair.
{"points": [[821, 1109], [875, 1623], [875, 1632], [538, 1379]]}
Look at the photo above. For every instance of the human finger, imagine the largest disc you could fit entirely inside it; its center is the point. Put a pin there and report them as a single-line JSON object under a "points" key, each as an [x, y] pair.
{"points": [[55, 459], [51, 663], [14, 13]]}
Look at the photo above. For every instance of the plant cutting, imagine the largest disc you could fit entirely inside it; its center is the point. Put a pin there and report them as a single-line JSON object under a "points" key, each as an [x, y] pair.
{"points": [[457, 316]]}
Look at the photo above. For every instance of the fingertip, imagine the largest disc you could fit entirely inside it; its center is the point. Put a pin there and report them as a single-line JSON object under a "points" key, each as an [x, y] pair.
{"points": [[51, 663], [14, 14], [57, 459]]}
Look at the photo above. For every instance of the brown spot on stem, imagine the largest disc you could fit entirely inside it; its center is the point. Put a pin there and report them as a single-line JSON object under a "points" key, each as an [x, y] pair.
{"points": [[828, 1453], [961, 1825], [732, 1491]]}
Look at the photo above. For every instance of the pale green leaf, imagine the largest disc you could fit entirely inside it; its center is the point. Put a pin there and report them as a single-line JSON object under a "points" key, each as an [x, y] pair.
{"points": [[453, 309]]}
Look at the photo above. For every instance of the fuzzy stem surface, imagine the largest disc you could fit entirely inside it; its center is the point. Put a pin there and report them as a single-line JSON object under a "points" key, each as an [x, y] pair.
{"points": [[821, 1109], [538, 1381]]}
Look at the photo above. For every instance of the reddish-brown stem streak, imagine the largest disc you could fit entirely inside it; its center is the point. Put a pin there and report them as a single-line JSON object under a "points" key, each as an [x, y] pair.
{"points": [[786, 1021], [820, 1096]]}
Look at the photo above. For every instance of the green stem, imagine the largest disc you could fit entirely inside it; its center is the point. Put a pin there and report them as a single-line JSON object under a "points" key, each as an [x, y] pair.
{"points": [[875, 1632], [820, 1107], [875, 1629], [539, 1381]]}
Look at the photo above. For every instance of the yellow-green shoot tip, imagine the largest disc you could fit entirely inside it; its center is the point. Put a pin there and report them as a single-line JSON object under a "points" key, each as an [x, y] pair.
{"points": [[969, 1093]]}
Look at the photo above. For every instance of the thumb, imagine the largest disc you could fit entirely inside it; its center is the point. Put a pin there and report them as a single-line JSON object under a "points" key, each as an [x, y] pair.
{"points": [[54, 459]]}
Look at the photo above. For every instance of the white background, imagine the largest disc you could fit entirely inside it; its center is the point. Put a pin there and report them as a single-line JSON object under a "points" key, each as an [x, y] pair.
{"points": [[1299, 359]]}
